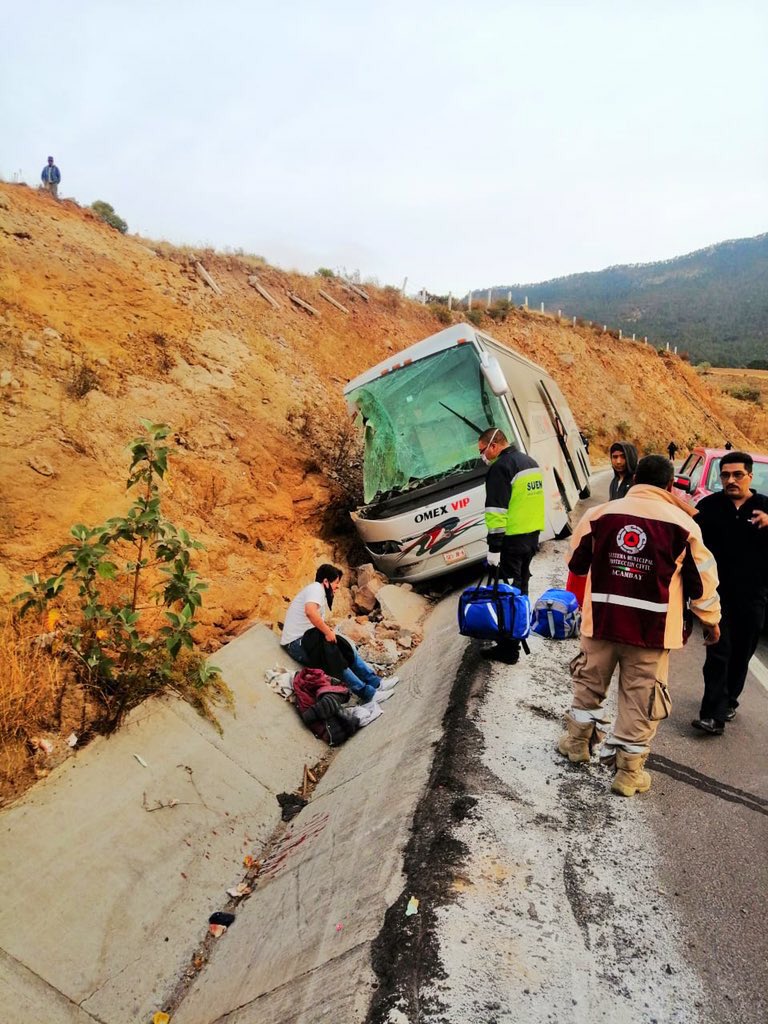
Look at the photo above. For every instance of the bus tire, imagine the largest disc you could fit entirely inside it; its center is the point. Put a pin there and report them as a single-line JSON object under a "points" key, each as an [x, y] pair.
{"points": [[565, 532]]}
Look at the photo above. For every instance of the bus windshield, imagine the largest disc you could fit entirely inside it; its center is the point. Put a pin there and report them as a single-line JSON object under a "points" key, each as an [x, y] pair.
{"points": [[422, 421]]}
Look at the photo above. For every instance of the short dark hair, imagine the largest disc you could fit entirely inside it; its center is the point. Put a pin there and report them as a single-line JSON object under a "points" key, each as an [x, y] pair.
{"points": [[744, 457], [328, 572], [656, 470], [492, 432]]}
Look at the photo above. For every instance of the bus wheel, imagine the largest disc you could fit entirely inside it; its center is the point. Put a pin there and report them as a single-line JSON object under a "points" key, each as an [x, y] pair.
{"points": [[565, 532]]}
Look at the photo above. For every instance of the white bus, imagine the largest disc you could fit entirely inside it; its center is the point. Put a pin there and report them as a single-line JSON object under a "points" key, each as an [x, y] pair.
{"points": [[422, 411]]}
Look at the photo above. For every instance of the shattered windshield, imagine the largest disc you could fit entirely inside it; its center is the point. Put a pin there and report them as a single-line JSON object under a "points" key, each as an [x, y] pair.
{"points": [[422, 421]]}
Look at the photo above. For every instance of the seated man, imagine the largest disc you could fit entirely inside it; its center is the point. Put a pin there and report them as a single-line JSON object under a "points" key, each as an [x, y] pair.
{"points": [[312, 642]]}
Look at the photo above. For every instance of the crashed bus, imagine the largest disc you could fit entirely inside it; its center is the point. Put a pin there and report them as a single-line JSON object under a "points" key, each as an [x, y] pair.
{"points": [[422, 411]]}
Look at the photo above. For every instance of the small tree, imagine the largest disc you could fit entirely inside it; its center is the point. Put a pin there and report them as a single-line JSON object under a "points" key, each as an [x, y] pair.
{"points": [[122, 647], [108, 215]]}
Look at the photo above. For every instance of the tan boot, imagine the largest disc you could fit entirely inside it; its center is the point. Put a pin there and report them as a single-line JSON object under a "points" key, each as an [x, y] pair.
{"points": [[630, 777], [577, 741]]}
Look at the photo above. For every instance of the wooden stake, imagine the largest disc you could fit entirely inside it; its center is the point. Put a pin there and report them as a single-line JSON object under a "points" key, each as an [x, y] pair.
{"points": [[304, 784], [205, 276], [253, 281], [333, 302], [304, 305]]}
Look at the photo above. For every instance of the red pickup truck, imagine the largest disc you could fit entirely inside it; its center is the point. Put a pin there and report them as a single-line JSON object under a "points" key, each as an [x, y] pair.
{"points": [[700, 474]]}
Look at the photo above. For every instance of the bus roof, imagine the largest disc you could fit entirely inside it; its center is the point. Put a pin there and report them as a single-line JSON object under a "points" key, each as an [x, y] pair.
{"points": [[457, 335]]}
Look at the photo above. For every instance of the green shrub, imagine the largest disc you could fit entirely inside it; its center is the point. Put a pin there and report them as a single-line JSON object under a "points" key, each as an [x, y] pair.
{"points": [[475, 316], [441, 313], [623, 430], [121, 646], [108, 215], [746, 394], [324, 272]]}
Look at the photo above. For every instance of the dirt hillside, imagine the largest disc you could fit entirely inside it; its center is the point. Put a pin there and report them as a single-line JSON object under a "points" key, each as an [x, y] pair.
{"points": [[98, 329]]}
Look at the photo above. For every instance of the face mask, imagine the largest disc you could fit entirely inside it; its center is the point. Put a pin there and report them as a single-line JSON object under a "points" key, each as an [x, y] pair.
{"points": [[485, 459]]}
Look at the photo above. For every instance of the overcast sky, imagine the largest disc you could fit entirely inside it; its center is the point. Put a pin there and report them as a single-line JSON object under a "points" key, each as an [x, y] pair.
{"points": [[460, 144]]}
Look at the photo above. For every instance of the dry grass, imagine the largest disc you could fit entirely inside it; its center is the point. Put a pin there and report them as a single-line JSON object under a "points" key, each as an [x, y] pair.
{"points": [[31, 685]]}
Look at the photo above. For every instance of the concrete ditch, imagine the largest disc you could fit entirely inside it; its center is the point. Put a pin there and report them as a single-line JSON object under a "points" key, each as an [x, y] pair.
{"points": [[110, 869]]}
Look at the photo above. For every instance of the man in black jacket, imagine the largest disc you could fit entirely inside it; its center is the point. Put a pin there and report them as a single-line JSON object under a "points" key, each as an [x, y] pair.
{"points": [[624, 464], [734, 524]]}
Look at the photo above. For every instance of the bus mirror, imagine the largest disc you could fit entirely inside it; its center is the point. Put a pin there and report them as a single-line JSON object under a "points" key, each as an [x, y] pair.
{"points": [[494, 374]]}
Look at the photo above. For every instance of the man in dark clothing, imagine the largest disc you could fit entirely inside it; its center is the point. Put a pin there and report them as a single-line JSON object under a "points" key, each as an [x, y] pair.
{"points": [[624, 464], [672, 449], [514, 517], [734, 524], [51, 178]]}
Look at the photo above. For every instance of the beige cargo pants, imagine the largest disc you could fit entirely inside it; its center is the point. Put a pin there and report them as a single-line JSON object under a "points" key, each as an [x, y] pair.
{"points": [[643, 694]]}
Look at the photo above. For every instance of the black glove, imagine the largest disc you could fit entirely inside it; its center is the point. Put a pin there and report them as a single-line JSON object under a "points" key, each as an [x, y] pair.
{"points": [[327, 706]]}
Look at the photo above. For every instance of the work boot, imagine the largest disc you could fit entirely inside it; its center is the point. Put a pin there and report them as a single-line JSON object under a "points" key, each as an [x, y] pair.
{"points": [[577, 741], [630, 777]]}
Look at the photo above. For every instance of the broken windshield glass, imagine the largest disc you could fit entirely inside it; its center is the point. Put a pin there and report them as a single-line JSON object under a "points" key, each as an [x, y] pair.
{"points": [[422, 421]]}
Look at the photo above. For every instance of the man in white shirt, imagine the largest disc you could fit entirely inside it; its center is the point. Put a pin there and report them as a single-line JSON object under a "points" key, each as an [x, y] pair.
{"points": [[309, 639]]}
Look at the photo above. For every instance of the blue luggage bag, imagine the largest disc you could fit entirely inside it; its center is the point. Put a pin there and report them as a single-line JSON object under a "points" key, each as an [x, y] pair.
{"points": [[556, 615], [495, 611]]}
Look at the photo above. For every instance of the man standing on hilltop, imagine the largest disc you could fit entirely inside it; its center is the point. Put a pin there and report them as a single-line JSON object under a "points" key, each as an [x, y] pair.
{"points": [[624, 464], [672, 449], [514, 517], [51, 177]]}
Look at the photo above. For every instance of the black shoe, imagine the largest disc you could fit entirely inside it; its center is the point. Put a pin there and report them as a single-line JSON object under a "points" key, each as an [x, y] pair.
{"points": [[710, 725], [499, 654], [730, 714]]}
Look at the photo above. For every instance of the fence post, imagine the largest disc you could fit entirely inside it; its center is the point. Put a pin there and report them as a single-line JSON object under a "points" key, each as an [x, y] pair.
{"points": [[605, 328], [509, 297], [488, 302], [574, 321], [402, 290], [526, 302], [620, 336], [542, 307], [450, 301], [633, 337], [469, 302]]}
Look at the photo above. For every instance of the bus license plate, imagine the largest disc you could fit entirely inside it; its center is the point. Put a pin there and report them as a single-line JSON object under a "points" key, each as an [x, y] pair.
{"points": [[457, 555]]}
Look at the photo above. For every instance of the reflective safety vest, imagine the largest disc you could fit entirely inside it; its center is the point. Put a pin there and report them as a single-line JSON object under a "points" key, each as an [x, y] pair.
{"points": [[514, 497]]}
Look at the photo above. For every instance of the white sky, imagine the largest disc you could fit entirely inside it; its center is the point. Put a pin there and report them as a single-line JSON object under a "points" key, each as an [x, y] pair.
{"points": [[460, 144]]}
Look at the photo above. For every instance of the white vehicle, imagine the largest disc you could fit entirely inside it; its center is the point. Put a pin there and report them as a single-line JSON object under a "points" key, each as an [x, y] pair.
{"points": [[422, 411]]}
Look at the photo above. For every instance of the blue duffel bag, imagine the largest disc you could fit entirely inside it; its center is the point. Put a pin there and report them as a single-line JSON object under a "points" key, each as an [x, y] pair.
{"points": [[494, 611], [556, 615]]}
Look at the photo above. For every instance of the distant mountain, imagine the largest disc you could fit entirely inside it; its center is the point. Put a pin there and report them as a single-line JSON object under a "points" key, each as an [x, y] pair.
{"points": [[712, 303]]}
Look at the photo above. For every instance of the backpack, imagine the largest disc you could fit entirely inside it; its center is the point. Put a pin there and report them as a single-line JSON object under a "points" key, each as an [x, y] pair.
{"points": [[318, 702], [556, 615], [497, 611]]}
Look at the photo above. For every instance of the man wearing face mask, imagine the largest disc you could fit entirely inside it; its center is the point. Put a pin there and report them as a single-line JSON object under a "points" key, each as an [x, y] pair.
{"points": [[514, 517]]}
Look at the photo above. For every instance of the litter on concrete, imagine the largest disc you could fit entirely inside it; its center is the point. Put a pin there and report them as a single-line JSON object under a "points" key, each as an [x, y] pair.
{"points": [[222, 917], [141, 760], [291, 804], [72, 740], [412, 908], [243, 889]]}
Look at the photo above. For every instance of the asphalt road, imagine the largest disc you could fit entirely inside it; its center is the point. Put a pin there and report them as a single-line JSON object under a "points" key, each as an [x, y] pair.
{"points": [[564, 904], [709, 810]]}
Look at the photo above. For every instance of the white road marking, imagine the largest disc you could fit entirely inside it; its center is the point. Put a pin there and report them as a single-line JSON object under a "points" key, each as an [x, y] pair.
{"points": [[759, 671]]}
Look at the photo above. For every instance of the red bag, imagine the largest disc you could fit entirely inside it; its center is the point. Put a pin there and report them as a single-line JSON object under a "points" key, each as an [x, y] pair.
{"points": [[576, 585]]}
